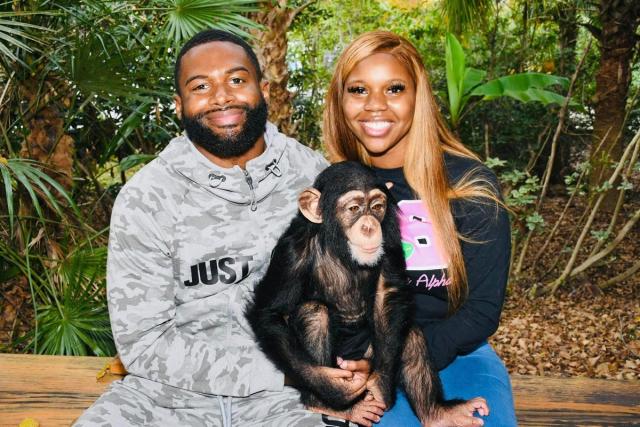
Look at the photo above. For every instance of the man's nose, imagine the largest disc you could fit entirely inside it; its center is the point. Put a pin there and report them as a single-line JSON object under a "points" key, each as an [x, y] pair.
{"points": [[221, 95]]}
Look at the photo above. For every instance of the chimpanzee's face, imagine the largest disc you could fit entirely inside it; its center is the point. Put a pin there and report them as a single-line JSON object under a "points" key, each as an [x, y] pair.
{"points": [[360, 214]]}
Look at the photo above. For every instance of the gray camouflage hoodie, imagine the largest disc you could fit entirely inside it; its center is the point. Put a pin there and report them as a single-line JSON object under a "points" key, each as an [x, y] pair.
{"points": [[188, 242]]}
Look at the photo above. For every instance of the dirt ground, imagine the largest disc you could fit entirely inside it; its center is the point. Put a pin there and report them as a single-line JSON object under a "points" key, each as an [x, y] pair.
{"points": [[582, 330], [572, 335]]}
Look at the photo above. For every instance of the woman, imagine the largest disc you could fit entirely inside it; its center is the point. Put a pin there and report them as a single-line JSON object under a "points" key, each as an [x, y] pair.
{"points": [[380, 110]]}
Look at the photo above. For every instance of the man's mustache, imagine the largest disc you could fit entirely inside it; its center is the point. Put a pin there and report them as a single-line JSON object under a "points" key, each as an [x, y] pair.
{"points": [[216, 110]]}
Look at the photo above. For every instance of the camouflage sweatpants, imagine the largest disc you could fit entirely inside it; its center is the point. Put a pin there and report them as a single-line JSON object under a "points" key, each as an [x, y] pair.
{"points": [[136, 401]]}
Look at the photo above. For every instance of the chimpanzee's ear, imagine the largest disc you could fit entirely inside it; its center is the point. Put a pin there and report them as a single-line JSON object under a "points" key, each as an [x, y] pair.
{"points": [[308, 204]]}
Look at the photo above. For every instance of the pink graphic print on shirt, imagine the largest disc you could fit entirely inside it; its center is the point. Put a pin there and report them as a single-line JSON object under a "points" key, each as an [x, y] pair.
{"points": [[422, 250]]}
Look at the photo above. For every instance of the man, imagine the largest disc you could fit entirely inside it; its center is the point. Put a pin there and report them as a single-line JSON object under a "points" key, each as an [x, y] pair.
{"points": [[191, 234]]}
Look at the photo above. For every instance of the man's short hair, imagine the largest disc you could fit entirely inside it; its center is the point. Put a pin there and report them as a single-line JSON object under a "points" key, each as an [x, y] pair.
{"points": [[213, 35]]}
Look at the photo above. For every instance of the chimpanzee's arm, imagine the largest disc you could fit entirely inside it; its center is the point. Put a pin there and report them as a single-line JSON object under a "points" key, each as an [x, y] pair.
{"points": [[277, 298]]}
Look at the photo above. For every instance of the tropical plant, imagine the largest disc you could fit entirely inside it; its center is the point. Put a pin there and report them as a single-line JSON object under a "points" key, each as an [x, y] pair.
{"points": [[85, 91], [30, 177], [464, 82]]}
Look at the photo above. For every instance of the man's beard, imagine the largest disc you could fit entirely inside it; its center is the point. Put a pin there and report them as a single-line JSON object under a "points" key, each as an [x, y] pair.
{"points": [[228, 146]]}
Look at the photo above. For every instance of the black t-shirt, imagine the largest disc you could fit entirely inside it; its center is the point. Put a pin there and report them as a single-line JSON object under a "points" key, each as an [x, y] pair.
{"points": [[486, 259]]}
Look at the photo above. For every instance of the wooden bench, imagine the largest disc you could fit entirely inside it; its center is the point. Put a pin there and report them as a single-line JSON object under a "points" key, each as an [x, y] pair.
{"points": [[54, 390]]}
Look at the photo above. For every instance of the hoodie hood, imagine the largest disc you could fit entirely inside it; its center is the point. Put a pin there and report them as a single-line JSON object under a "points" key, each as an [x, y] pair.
{"points": [[236, 185]]}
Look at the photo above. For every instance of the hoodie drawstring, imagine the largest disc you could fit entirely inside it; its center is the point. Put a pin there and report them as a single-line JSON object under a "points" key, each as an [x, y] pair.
{"points": [[225, 410]]}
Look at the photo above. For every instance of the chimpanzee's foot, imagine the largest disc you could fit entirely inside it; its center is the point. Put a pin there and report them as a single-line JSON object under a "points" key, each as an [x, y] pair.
{"points": [[460, 415]]}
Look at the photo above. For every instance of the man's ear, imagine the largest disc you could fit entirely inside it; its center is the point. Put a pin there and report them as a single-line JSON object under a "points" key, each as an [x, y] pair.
{"points": [[308, 204], [178, 103], [264, 88]]}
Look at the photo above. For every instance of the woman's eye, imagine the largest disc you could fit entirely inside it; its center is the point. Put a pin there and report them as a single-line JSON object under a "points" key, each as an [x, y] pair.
{"points": [[359, 90], [397, 88]]}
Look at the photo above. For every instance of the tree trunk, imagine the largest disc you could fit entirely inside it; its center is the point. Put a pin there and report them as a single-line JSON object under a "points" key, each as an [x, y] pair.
{"points": [[47, 141], [619, 19], [565, 16], [271, 48]]}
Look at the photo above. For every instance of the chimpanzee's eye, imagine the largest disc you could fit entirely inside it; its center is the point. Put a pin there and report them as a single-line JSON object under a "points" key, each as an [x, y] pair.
{"points": [[377, 207], [354, 208]]}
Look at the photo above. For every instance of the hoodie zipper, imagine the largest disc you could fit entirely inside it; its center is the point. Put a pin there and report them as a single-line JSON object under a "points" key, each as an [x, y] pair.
{"points": [[247, 177]]}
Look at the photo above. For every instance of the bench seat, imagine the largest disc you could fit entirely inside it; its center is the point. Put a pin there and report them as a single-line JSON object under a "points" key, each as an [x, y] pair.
{"points": [[54, 390]]}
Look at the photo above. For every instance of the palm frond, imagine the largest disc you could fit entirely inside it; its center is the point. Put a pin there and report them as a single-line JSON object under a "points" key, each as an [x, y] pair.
{"points": [[464, 14], [29, 175], [14, 34], [94, 70], [72, 317], [186, 17]]}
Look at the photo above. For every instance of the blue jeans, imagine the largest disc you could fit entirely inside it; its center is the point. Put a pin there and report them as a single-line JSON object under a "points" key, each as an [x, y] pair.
{"points": [[480, 373]]}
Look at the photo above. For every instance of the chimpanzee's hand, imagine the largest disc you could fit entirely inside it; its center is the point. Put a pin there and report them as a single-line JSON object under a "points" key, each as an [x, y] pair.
{"points": [[342, 383]]}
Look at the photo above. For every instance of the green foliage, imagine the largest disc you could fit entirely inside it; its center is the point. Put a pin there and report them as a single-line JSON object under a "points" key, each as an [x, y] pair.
{"points": [[73, 318], [101, 73], [464, 83], [29, 177], [494, 162], [522, 198], [464, 14], [186, 17], [14, 34], [573, 182], [600, 235], [135, 160]]}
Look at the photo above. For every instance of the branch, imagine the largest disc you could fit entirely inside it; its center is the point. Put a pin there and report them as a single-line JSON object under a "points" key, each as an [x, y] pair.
{"points": [[622, 276], [561, 119], [610, 247], [553, 286]]}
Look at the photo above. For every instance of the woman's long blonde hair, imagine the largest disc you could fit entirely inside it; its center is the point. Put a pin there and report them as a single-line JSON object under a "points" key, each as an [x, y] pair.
{"points": [[428, 139]]}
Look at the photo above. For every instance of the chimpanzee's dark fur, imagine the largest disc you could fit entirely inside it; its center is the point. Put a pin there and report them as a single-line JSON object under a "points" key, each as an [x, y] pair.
{"points": [[314, 277]]}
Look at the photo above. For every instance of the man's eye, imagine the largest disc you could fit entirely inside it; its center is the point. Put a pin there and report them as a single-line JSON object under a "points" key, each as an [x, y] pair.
{"points": [[237, 80], [359, 90], [201, 86]]}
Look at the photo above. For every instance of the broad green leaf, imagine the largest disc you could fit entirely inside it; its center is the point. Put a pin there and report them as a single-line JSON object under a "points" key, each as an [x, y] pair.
{"points": [[455, 69], [472, 78], [524, 87]]}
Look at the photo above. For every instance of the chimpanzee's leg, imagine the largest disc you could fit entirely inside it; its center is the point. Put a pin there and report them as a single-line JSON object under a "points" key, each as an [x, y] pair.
{"points": [[421, 381], [424, 390]]}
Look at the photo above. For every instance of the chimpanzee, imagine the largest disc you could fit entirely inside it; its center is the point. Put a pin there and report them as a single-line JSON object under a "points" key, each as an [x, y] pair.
{"points": [[336, 287]]}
